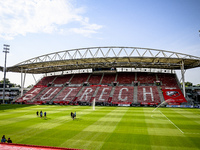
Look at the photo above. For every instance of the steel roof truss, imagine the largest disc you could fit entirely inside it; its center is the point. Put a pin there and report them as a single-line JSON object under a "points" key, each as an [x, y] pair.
{"points": [[138, 52], [131, 52], [106, 55], [144, 53], [114, 52], [151, 53]]}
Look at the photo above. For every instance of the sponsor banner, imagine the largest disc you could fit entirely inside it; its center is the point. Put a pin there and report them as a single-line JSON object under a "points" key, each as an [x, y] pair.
{"points": [[144, 103], [174, 103], [74, 85], [121, 103], [127, 105], [183, 106], [99, 85], [173, 96], [40, 86], [169, 88]]}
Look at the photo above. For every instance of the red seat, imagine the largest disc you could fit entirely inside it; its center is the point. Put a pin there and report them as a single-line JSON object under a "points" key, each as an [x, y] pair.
{"points": [[108, 78], [68, 94], [79, 78], [144, 77], [95, 79], [30, 94], [103, 94], [148, 94], [123, 94], [126, 78], [86, 94], [46, 80], [62, 79], [48, 94]]}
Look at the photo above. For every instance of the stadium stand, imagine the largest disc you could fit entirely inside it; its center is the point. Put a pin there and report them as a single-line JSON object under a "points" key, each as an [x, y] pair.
{"points": [[67, 95], [46, 80], [86, 94], [123, 95], [108, 78], [167, 80], [173, 96], [126, 78], [148, 95], [95, 79], [146, 78], [62, 79], [79, 78], [103, 94], [76, 92], [30, 94], [48, 94]]}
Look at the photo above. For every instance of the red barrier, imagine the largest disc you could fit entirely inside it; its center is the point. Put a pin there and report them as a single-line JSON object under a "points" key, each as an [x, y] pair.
{"points": [[11, 146], [40, 86]]}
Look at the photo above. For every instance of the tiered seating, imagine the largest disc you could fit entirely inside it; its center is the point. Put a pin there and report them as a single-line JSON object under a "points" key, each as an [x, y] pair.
{"points": [[144, 77], [86, 94], [46, 80], [103, 94], [108, 78], [171, 91], [168, 80], [30, 94], [48, 94], [148, 95], [126, 78], [62, 79], [123, 94], [95, 79], [173, 96], [79, 78], [68, 94]]}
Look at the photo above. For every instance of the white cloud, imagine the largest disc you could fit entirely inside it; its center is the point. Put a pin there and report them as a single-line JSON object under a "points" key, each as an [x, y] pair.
{"points": [[34, 16], [87, 28]]}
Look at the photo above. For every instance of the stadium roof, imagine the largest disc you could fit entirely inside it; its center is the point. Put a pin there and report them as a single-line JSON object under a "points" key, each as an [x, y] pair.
{"points": [[106, 57]]}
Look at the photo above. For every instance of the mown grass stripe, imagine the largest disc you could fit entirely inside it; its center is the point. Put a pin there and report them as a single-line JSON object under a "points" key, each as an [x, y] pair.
{"points": [[104, 128], [96, 130], [172, 123]]}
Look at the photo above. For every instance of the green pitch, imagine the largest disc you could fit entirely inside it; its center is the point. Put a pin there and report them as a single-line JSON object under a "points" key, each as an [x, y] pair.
{"points": [[102, 128]]}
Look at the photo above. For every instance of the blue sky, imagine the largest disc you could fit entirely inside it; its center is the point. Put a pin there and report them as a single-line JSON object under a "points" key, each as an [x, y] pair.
{"points": [[35, 27]]}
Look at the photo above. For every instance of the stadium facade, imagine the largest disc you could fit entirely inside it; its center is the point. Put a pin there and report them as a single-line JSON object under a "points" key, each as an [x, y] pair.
{"points": [[111, 75]]}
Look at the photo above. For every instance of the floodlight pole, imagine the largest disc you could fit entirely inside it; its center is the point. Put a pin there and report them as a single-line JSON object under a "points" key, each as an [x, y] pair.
{"points": [[6, 50]]}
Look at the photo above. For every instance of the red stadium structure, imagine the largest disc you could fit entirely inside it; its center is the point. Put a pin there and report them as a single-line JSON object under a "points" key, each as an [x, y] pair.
{"points": [[124, 76]]}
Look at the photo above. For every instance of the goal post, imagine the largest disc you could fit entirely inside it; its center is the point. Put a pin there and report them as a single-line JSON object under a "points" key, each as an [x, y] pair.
{"points": [[93, 104]]}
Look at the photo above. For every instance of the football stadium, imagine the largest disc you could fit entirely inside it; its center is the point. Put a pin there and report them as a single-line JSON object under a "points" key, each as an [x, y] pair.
{"points": [[122, 98]]}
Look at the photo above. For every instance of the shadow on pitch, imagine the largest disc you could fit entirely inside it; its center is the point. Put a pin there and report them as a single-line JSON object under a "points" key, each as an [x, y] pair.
{"points": [[78, 119], [46, 118]]}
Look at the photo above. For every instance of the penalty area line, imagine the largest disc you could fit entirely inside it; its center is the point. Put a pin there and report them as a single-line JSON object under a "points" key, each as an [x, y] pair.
{"points": [[172, 123]]}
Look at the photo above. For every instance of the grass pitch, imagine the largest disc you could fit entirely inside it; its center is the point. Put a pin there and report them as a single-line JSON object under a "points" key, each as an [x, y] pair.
{"points": [[102, 128]]}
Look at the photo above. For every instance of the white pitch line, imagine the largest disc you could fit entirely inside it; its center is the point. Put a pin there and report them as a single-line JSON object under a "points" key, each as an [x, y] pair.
{"points": [[191, 133], [172, 122]]}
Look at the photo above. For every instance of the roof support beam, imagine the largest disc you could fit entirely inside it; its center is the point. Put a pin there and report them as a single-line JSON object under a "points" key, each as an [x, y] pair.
{"points": [[183, 77]]}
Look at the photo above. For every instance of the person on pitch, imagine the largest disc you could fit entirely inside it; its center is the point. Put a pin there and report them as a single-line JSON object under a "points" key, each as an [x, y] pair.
{"points": [[72, 115], [41, 114], [37, 113], [45, 114], [9, 140]]}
